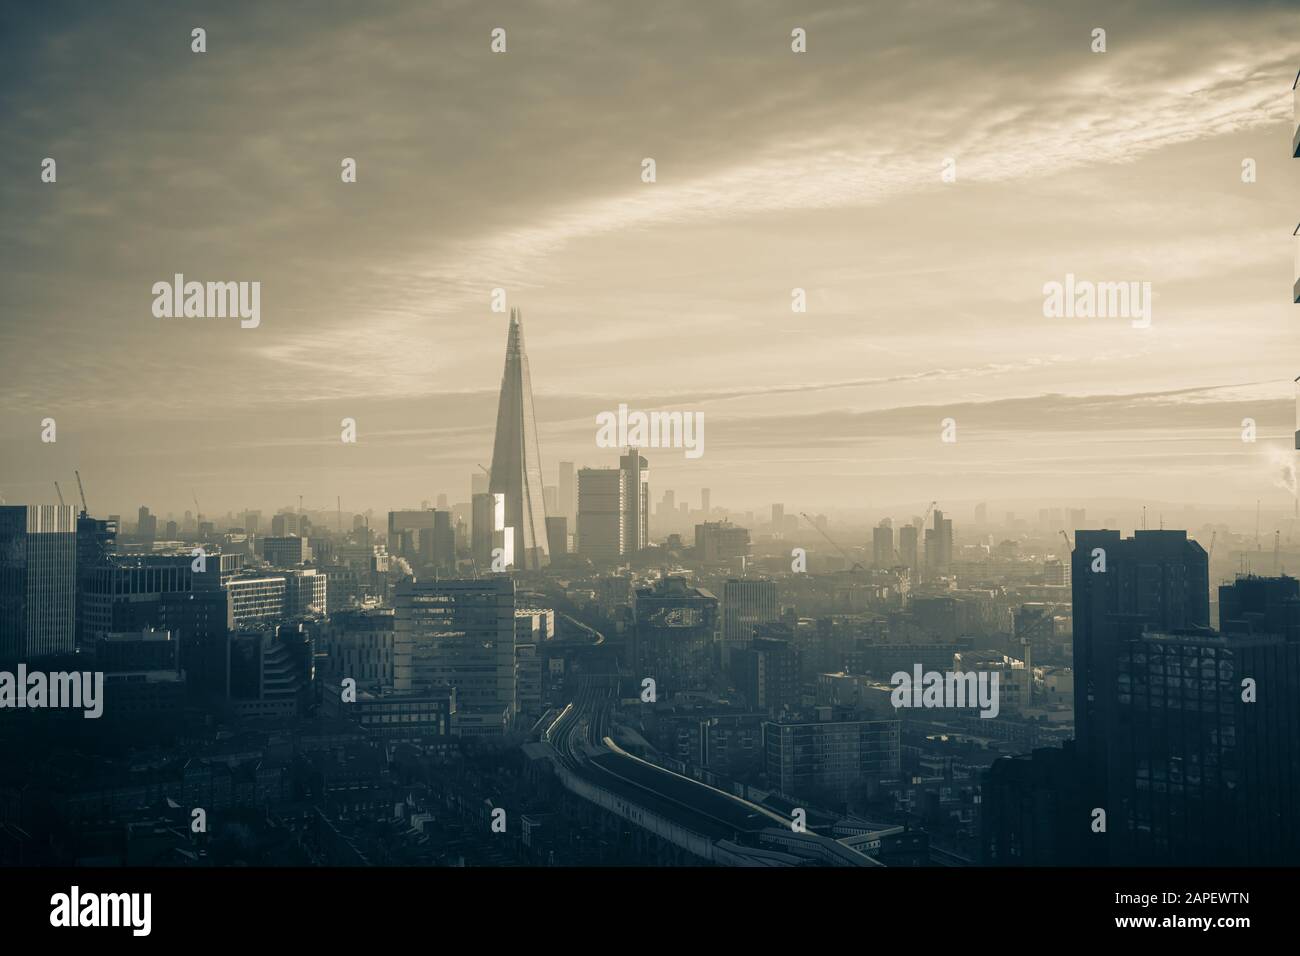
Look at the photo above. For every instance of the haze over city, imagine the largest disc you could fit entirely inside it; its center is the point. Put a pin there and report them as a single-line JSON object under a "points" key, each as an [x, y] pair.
{"points": [[522, 172]]}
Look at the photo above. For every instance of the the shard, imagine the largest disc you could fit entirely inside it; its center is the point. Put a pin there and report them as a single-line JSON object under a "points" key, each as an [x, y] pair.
{"points": [[516, 459]]}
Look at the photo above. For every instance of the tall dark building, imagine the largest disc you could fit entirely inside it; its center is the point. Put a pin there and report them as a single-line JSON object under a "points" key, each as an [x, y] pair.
{"points": [[96, 540], [766, 671], [1155, 580], [882, 545], [516, 459], [636, 507], [38, 581], [1206, 748]]}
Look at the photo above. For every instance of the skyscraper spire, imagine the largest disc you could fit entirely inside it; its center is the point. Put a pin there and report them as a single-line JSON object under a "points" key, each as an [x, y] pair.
{"points": [[516, 459]]}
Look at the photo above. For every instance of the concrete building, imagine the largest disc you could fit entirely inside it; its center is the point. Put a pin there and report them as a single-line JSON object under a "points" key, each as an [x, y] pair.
{"points": [[459, 634]]}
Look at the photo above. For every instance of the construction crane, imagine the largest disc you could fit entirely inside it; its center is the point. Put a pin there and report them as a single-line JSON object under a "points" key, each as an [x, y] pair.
{"points": [[85, 508], [1068, 543], [59, 493], [928, 512], [847, 557]]}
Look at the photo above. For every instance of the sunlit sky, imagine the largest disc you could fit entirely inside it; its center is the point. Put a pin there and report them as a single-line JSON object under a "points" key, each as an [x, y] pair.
{"points": [[775, 170]]}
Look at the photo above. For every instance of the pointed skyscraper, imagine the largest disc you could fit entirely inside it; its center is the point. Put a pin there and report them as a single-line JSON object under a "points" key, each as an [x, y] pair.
{"points": [[516, 460]]}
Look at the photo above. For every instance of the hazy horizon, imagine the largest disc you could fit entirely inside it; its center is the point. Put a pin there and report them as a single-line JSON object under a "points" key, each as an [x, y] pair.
{"points": [[775, 171]]}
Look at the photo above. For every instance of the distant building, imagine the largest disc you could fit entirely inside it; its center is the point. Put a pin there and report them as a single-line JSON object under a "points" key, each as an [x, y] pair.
{"points": [[718, 541], [907, 547], [286, 552], [746, 603], [1056, 572], [481, 527], [882, 545], [602, 502], [557, 535], [938, 543], [516, 461], [636, 504]]}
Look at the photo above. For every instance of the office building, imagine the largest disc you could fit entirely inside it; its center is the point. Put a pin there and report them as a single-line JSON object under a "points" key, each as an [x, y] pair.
{"points": [[636, 503], [481, 531], [602, 497], [766, 672], [938, 543], [882, 545], [746, 603], [845, 760], [720, 541], [459, 634], [258, 599], [286, 552], [1155, 580], [357, 644], [38, 581], [907, 546], [146, 528], [568, 492], [557, 535]]}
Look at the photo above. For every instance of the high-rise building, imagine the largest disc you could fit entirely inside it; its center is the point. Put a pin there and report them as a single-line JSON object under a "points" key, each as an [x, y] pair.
{"points": [[459, 634], [778, 517], [38, 581], [443, 541], [516, 458], [568, 492], [285, 552], [745, 603], [602, 502], [882, 545], [96, 541], [408, 531], [668, 505], [767, 674], [146, 528], [721, 541], [938, 543], [1205, 747], [557, 534], [481, 526], [636, 503], [1155, 580], [907, 549], [676, 627]]}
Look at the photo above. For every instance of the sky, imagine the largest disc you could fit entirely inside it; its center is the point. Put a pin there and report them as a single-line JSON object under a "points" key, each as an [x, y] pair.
{"points": [[775, 170]]}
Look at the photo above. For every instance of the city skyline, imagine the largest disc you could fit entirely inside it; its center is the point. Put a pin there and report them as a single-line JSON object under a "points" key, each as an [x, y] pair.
{"points": [[376, 295], [899, 472]]}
